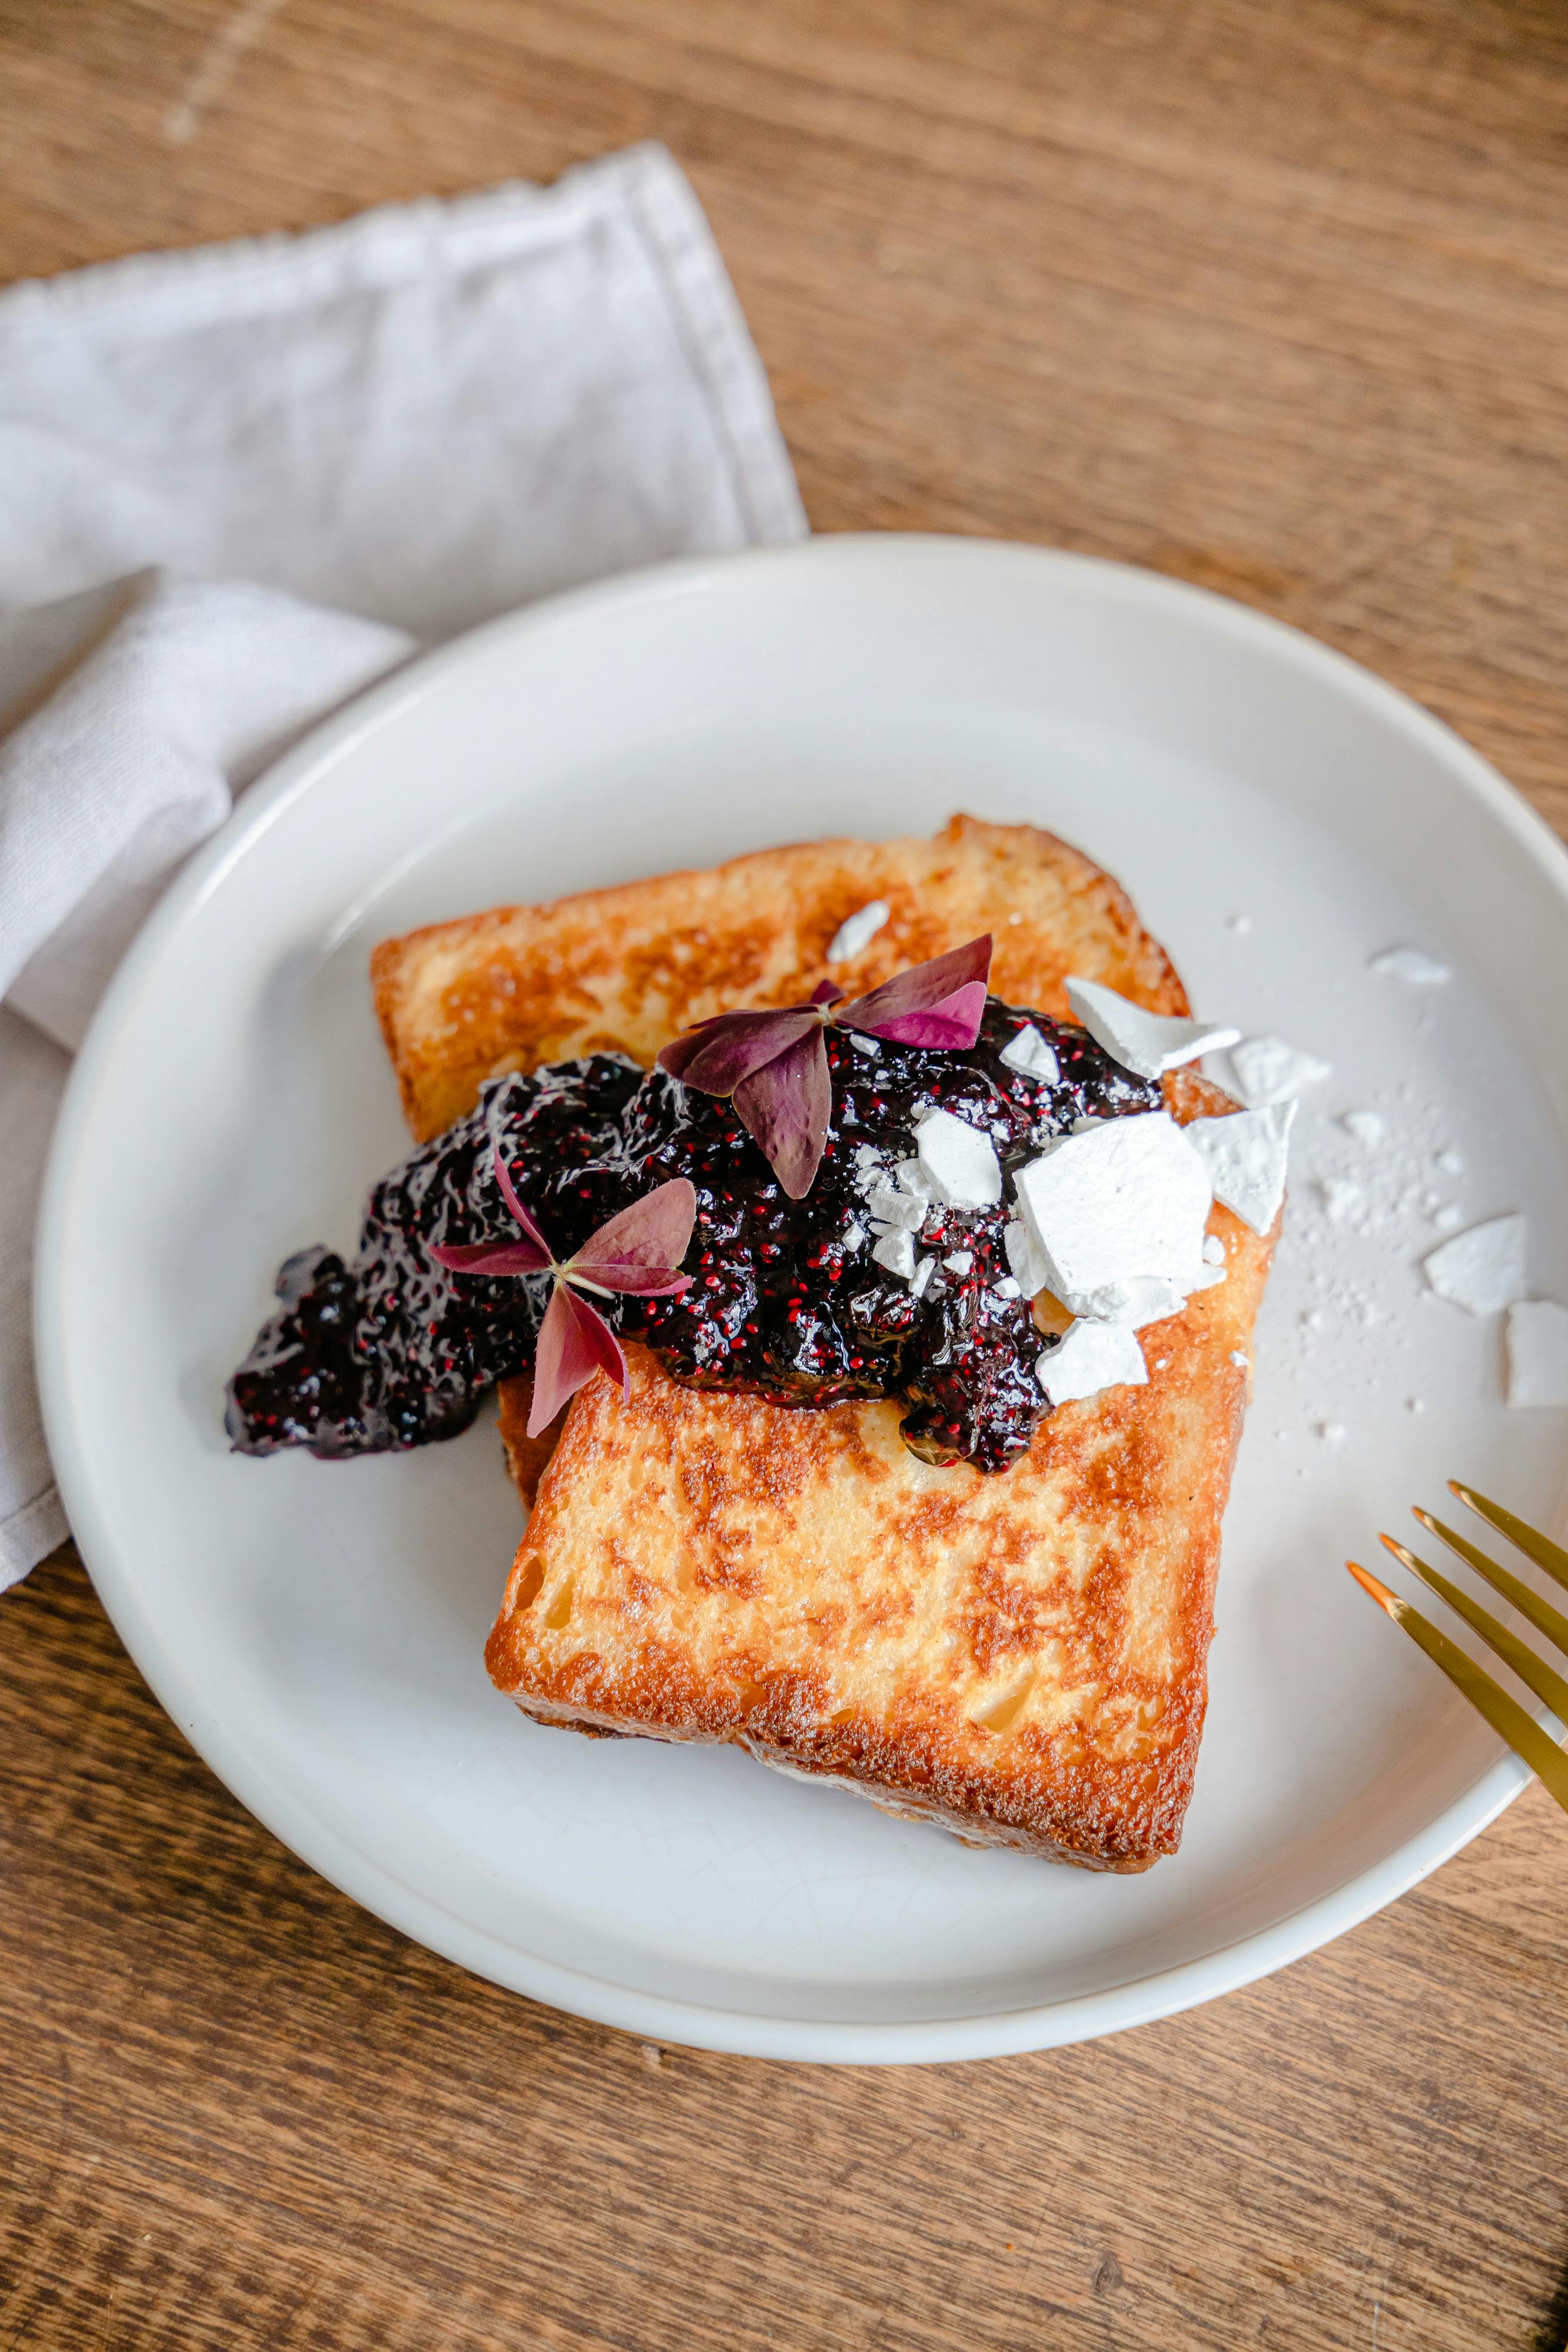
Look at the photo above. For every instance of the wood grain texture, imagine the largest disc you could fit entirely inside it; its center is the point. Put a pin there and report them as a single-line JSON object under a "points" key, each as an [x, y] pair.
{"points": [[1269, 299]]}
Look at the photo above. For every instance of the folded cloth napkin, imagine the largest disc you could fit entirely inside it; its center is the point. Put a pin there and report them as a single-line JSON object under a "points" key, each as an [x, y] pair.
{"points": [[237, 484]]}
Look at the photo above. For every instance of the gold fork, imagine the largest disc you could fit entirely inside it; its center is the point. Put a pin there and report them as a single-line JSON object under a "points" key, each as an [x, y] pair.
{"points": [[1505, 1714]]}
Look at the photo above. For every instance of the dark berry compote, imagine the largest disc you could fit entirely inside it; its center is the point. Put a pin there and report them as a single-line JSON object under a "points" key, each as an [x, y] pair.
{"points": [[788, 1298]]}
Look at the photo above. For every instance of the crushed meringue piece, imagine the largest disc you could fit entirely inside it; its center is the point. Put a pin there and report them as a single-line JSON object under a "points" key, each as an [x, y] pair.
{"points": [[1245, 1152], [857, 930], [1126, 1201], [893, 1212], [1028, 1263], [1342, 1198], [895, 1250], [1090, 1357], [1029, 1053], [958, 1162], [1537, 1352], [1269, 1071], [1409, 964], [1482, 1270], [1147, 1043]]}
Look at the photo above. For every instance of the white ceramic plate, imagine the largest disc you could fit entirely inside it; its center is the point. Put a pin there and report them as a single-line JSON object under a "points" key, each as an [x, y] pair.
{"points": [[316, 1629]]}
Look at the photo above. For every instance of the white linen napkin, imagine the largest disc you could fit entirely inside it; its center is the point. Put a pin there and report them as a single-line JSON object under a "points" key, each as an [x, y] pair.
{"points": [[237, 484]]}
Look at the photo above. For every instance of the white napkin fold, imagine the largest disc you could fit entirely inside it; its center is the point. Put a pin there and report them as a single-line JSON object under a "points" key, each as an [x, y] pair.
{"points": [[237, 484]]}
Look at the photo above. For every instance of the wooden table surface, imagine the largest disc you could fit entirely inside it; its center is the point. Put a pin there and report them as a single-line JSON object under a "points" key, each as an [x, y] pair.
{"points": [[1270, 298]]}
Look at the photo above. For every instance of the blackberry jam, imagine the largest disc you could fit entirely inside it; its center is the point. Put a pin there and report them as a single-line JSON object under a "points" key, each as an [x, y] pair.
{"points": [[788, 1299]]}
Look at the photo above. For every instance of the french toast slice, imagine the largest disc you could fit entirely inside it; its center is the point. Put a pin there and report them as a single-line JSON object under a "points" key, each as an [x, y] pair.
{"points": [[624, 970], [1021, 1657]]}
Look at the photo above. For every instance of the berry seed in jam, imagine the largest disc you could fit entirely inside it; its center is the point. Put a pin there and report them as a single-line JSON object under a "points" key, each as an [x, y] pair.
{"points": [[787, 1300]]}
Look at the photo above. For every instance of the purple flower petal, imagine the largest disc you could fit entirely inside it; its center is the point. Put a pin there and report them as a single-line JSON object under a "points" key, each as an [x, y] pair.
{"points": [[951, 988], [490, 1257], [718, 1053], [640, 1249], [786, 1106], [826, 994], [574, 1342], [509, 1194]]}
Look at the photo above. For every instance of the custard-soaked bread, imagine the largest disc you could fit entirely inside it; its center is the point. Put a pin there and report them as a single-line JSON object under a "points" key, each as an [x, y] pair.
{"points": [[1019, 1657]]}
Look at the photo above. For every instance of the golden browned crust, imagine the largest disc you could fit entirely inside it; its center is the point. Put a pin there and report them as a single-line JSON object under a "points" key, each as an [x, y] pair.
{"points": [[526, 1456], [1020, 1658], [625, 970]]}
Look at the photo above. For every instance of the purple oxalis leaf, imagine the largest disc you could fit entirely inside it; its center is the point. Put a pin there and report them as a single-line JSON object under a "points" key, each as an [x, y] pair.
{"points": [[490, 1257], [574, 1342], [718, 1053], [951, 988], [787, 1108], [509, 1194], [640, 1249], [954, 1024]]}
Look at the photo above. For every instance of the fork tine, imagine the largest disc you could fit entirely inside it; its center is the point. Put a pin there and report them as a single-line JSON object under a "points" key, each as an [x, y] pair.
{"points": [[1535, 1545], [1505, 1714], [1534, 1671], [1528, 1603]]}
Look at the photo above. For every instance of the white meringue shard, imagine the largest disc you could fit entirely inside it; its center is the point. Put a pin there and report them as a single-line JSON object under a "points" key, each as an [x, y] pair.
{"points": [[1147, 1043], [891, 1211], [857, 930], [1245, 1153], [1537, 1352], [896, 1252], [1089, 1358], [1124, 1202], [1268, 1071], [958, 1162], [1482, 1270], [1343, 1199], [1408, 964], [1146, 1298], [1029, 1053], [1030, 1269]]}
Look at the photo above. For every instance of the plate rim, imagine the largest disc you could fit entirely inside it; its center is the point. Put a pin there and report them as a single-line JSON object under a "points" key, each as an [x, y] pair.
{"points": [[1136, 2001]]}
